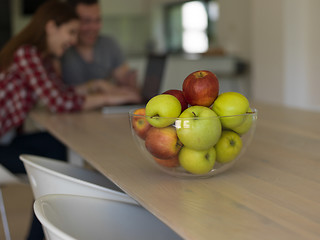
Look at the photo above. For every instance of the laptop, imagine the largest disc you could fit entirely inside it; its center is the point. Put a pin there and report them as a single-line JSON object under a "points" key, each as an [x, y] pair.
{"points": [[151, 85]]}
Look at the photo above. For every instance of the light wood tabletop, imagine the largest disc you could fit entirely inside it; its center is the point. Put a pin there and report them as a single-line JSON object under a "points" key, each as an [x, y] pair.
{"points": [[273, 192]]}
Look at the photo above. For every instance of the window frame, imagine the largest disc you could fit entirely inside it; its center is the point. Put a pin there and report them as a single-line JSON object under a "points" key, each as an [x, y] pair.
{"points": [[168, 30]]}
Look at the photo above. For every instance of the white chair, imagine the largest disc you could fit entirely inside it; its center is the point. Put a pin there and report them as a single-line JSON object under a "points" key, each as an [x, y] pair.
{"points": [[70, 217], [6, 177], [49, 176]]}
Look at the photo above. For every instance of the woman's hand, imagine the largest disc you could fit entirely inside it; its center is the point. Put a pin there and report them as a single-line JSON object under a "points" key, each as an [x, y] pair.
{"points": [[122, 95], [117, 96]]}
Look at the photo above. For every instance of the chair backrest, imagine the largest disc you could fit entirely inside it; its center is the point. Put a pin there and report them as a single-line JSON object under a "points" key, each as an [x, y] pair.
{"points": [[7, 177], [69, 217], [49, 176]]}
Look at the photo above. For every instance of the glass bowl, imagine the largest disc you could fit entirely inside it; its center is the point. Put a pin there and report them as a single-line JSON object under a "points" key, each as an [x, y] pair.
{"points": [[193, 147]]}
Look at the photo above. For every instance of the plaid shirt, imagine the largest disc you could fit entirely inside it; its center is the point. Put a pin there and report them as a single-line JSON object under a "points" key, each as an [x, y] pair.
{"points": [[29, 79]]}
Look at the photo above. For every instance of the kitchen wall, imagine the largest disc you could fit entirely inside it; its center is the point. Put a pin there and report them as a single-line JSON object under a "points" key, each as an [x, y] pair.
{"points": [[127, 22], [234, 27], [285, 52]]}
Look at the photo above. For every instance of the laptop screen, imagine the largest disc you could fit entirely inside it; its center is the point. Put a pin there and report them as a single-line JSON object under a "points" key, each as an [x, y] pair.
{"points": [[151, 86], [153, 76]]}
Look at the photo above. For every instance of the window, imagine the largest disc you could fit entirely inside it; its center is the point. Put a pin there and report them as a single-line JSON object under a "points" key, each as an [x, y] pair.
{"points": [[190, 25]]}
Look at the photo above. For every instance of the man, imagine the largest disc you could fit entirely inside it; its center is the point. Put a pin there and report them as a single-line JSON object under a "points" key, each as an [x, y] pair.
{"points": [[95, 56]]}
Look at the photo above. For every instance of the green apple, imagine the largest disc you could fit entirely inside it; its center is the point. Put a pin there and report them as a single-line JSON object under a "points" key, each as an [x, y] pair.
{"points": [[162, 110], [229, 104], [198, 127], [228, 147], [197, 161], [245, 126]]}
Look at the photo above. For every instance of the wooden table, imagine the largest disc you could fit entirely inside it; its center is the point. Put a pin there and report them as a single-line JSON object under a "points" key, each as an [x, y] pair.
{"points": [[273, 192]]}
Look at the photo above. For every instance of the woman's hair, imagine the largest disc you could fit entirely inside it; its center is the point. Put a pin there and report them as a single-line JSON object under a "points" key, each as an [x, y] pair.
{"points": [[35, 32]]}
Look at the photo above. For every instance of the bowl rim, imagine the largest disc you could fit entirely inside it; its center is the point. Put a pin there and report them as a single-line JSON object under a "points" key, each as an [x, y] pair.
{"points": [[254, 112], [179, 171]]}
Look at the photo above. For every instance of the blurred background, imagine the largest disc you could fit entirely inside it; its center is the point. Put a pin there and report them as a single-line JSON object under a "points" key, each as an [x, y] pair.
{"points": [[268, 50]]}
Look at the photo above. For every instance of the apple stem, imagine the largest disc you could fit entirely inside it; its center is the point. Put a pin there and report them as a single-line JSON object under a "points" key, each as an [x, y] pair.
{"points": [[194, 114], [179, 144], [232, 142]]}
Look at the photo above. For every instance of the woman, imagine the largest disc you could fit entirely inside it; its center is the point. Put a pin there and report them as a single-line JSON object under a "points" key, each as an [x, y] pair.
{"points": [[29, 74]]}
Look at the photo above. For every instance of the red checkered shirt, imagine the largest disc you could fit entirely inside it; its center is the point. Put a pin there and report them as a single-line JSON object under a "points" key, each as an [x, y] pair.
{"points": [[30, 79]]}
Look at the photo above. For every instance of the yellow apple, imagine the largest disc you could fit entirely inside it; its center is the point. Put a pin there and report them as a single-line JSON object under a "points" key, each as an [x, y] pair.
{"points": [[197, 161], [228, 147], [228, 105], [245, 126], [162, 110]]}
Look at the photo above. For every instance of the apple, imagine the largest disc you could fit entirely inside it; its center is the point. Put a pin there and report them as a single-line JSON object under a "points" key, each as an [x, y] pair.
{"points": [[170, 162], [163, 143], [245, 126], [229, 104], [179, 95], [198, 127], [140, 123], [228, 147], [201, 88], [162, 110], [197, 161]]}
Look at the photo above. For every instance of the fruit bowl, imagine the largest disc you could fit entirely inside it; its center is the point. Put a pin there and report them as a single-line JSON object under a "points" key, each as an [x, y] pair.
{"points": [[196, 146]]}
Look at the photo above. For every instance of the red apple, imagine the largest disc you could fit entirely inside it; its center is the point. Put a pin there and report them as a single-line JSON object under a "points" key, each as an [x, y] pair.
{"points": [[171, 162], [179, 95], [201, 88], [163, 142], [140, 123]]}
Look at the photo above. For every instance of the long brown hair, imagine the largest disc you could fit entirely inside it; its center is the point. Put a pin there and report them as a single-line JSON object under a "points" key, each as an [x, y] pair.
{"points": [[34, 33]]}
